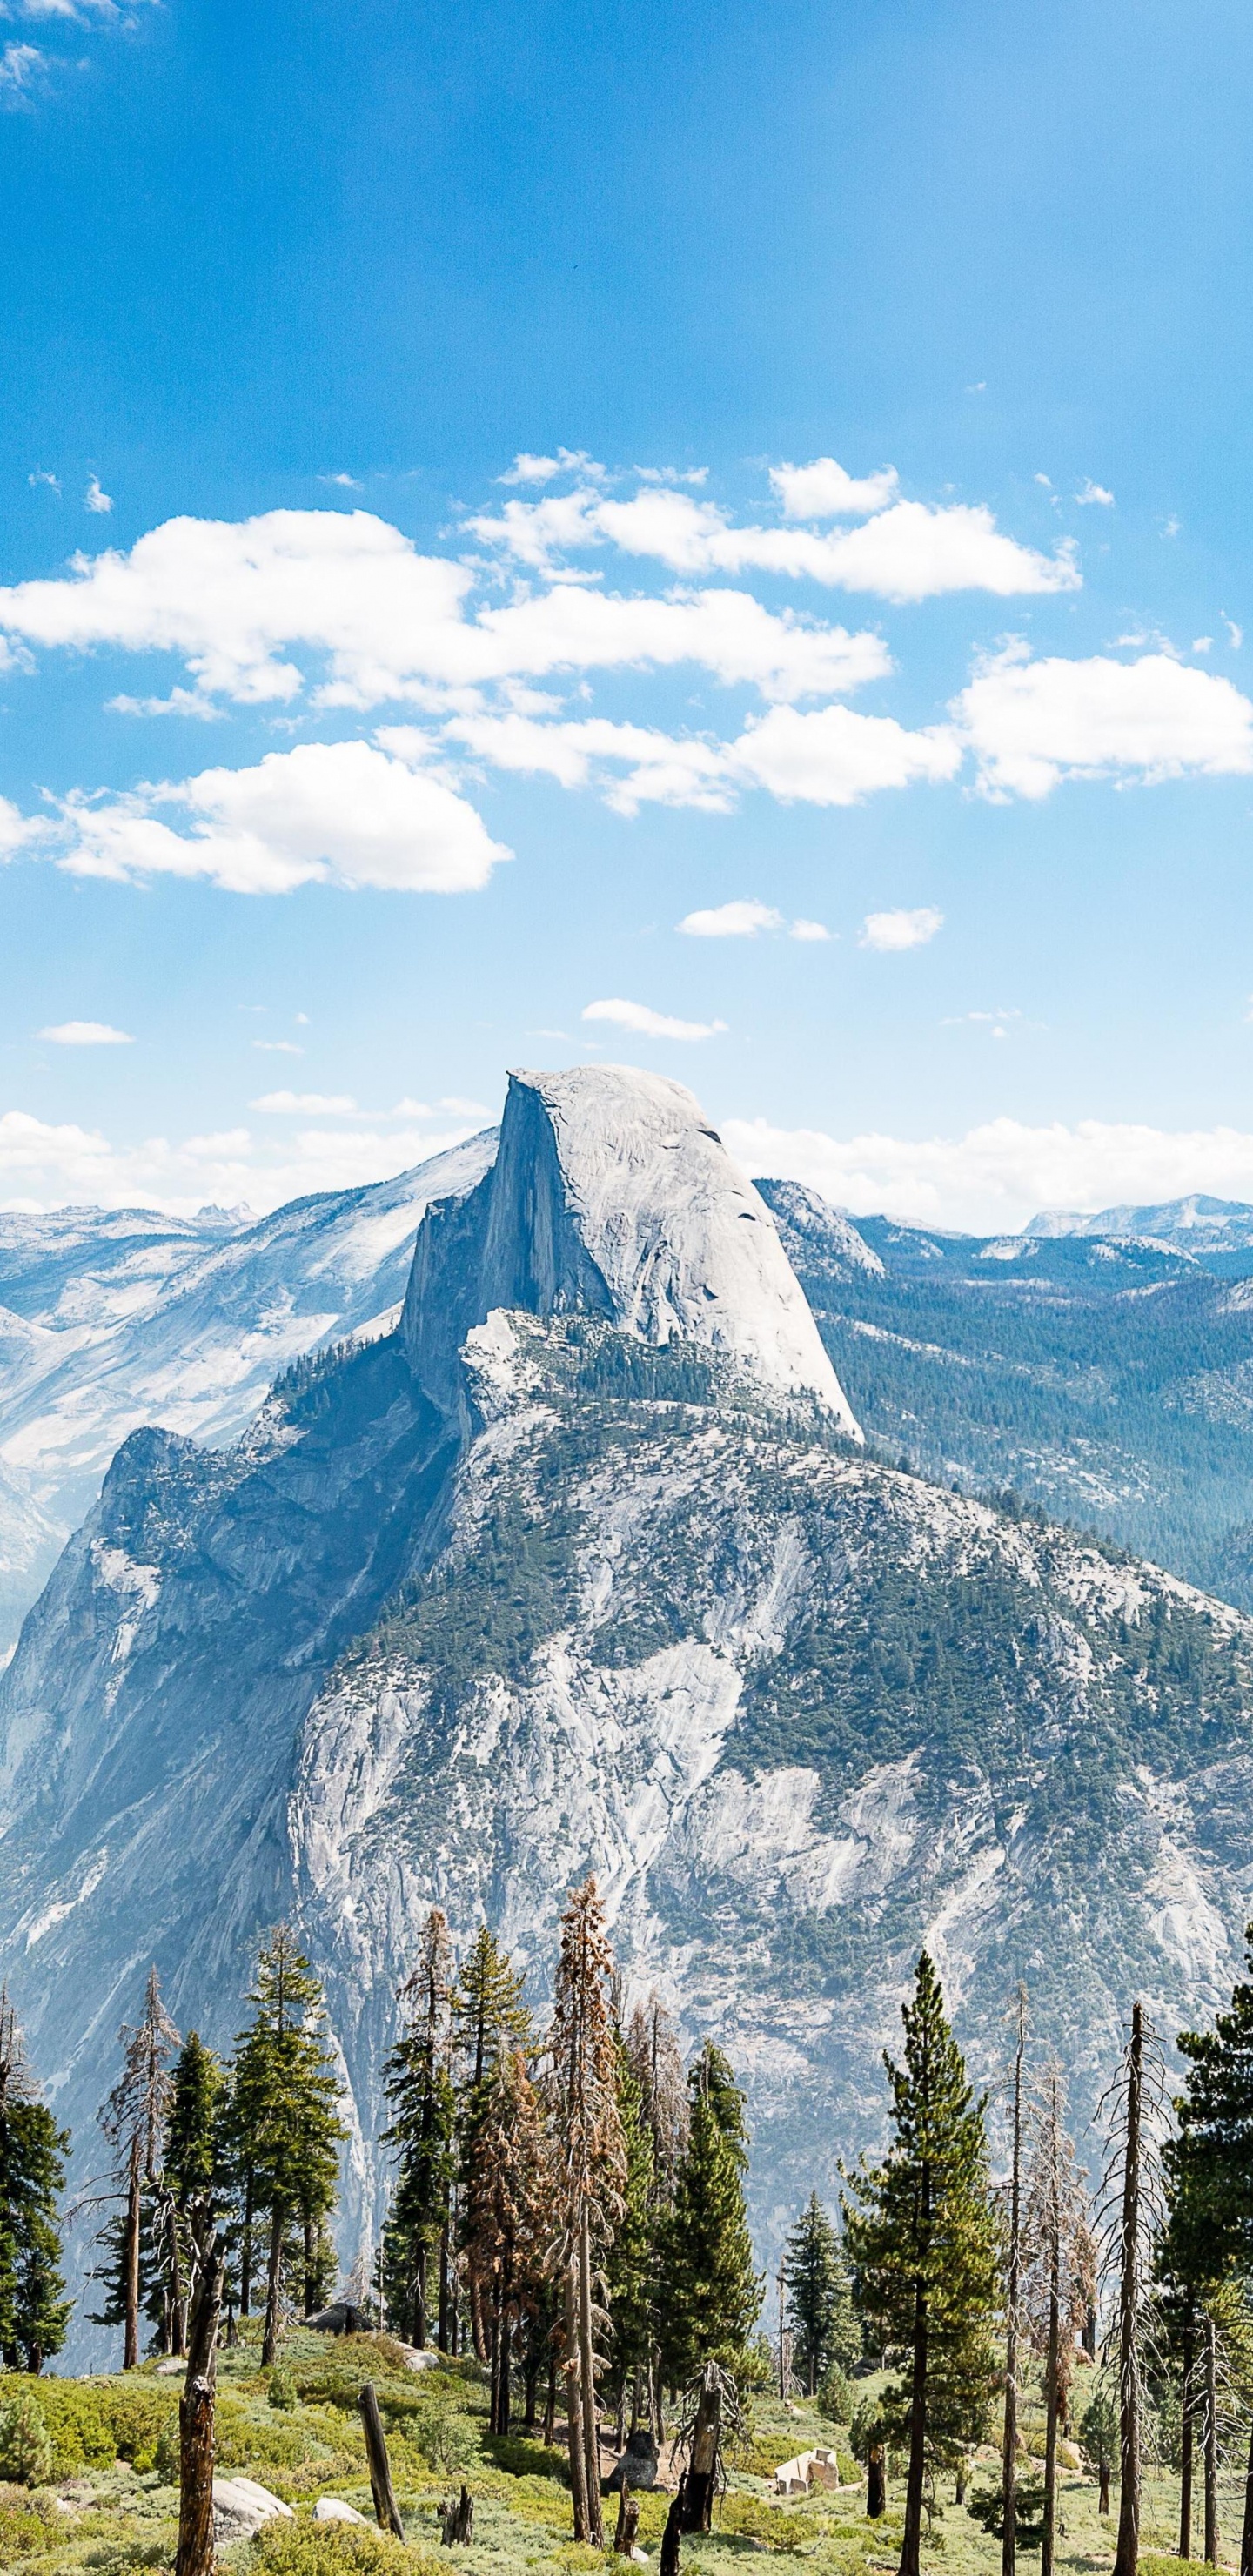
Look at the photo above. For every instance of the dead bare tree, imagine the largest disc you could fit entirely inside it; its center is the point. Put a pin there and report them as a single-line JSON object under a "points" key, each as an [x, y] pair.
{"points": [[1056, 2271], [1131, 2213], [1013, 2294], [133, 2121], [195, 2422]]}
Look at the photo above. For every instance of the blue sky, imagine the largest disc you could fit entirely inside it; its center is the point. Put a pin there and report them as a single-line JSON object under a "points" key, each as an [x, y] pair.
{"points": [[357, 760]]}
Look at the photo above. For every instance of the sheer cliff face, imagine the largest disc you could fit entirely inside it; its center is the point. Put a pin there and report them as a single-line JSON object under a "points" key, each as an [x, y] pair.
{"points": [[571, 1582], [612, 1196]]}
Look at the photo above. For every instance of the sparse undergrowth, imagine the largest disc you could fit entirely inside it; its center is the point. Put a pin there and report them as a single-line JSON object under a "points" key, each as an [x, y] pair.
{"points": [[110, 2508]]}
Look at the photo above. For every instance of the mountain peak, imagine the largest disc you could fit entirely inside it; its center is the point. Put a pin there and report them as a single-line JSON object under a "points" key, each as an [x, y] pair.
{"points": [[612, 1195]]}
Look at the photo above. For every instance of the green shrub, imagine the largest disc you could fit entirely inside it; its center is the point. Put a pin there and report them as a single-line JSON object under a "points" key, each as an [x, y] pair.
{"points": [[78, 2428], [25, 2449], [282, 2389], [28, 2526], [166, 2458], [751, 2518], [336, 2549]]}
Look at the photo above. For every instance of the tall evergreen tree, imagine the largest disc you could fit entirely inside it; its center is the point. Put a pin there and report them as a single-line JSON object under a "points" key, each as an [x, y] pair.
{"points": [[630, 2269], [588, 2170], [656, 2062], [820, 2297], [418, 2087], [710, 2291], [34, 2311], [1210, 2165], [285, 2124], [922, 2233], [133, 2120], [490, 2019]]}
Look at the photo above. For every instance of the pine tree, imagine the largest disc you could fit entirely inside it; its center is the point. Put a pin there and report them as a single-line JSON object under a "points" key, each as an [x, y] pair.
{"points": [[34, 2311], [711, 2293], [133, 2120], [506, 2216], [587, 2164], [656, 2062], [489, 2020], [284, 2123], [418, 2087], [630, 2270], [820, 2300], [922, 2233], [1210, 2166]]}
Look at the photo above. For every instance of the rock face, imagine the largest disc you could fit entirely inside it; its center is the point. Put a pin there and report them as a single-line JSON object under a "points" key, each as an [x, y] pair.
{"points": [[612, 1196], [476, 1607], [112, 1319]]}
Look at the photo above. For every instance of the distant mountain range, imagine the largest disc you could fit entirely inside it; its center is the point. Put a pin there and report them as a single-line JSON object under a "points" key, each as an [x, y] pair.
{"points": [[586, 1564], [1203, 1227]]}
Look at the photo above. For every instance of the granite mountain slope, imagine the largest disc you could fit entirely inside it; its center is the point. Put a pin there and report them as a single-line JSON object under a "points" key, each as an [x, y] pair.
{"points": [[608, 1593], [110, 1319]]}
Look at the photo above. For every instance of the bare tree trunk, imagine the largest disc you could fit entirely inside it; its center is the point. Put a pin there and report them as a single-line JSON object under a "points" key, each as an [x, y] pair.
{"points": [[195, 2428], [386, 2509], [1013, 2286], [502, 2374], [1187, 2419], [273, 2285], [574, 2411], [703, 2467], [1246, 2527], [876, 2482], [1210, 2443], [1050, 2421], [476, 2321], [130, 2284], [628, 2523], [911, 2539], [1127, 2552], [550, 2402], [419, 2303], [442, 2330], [1102, 2494], [311, 2252], [587, 2375], [245, 2250]]}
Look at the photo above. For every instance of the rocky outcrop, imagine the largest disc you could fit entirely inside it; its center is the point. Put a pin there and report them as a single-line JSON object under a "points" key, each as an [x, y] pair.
{"points": [[612, 1196]]}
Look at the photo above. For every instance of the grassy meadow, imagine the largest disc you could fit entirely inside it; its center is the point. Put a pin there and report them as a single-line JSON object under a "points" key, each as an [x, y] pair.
{"points": [[111, 2501]]}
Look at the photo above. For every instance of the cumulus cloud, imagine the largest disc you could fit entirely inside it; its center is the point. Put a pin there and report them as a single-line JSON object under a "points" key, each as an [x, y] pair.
{"points": [[235, 603], [834, 757], [824, 490], [1031, 724], [645, 1023], [20, 831], [908, 551], [344, 813], [809, 930], [1093, 495], [998, 1175], [731, 921], [77, 1033], [43, 1165], [889, 931]]}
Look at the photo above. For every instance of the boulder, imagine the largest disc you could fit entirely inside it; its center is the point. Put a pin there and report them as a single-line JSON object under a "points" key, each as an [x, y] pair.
{"points": [[637, 2466], [240, 2507], [334, 2509], [340, 2318]]}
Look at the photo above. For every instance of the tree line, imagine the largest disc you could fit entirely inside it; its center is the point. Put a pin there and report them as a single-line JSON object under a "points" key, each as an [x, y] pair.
{"points": [[568, 2204]]}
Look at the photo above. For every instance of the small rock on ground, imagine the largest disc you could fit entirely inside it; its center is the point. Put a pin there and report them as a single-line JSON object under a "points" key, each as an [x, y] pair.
{"points": [[334, 2509]]}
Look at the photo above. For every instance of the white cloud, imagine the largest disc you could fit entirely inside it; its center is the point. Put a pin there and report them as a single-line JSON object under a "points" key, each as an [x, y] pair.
{"points": [[541, 469], [663, 769], [41, 474], [236, 602], [346, 482], [1235, 634], [78, 1033], [652, 1024], [892, 931], [94, 498], [731, 921], [809, 930], [44, 1165], [909, 551], [1044, 482], [833, 757], [277, 1046], [1033, 723], [342, 813], [998, 1175], [311, 1104], [1092, 494], [20, 831], [824, 490], [22, 68]]}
